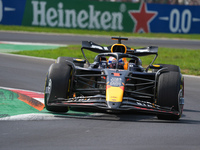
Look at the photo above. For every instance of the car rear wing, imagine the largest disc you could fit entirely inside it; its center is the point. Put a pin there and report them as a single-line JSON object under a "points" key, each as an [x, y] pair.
{"points": [[89, 45], [150, 50]]}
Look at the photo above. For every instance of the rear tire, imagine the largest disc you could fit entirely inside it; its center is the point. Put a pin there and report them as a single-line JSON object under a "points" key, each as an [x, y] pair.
{"points": [[169, 94], [57, 86]]}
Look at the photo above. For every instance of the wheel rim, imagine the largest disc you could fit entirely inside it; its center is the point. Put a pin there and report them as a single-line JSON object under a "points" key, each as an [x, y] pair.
{"points": [[48, 89], [180, 101]]}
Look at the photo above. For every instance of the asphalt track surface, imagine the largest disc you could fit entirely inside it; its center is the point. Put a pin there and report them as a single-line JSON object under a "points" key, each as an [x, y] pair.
{"points": [[109, 132], [76, 39]]}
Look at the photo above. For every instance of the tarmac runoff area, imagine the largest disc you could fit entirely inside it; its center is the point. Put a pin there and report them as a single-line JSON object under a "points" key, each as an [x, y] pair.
{"points": [[7, 47]]}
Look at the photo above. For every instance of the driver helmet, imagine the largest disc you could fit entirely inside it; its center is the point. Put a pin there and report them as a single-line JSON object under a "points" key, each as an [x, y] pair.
{"points": [[112, 62]]}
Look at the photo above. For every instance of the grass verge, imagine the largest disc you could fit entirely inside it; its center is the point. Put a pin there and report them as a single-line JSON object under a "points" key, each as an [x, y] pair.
{"points": [[188, 60], [95, 32]]}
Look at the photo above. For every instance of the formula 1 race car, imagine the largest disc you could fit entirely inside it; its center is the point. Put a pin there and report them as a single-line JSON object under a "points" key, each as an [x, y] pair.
{"points": [[115, 81]]}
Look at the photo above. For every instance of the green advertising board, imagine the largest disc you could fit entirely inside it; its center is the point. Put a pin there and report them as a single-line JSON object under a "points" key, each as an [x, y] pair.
{"points": [[79, 14], [106, 16]]}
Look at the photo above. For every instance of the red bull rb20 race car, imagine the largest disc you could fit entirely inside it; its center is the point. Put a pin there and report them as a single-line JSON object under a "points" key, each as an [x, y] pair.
{"points": [[115, 81]]}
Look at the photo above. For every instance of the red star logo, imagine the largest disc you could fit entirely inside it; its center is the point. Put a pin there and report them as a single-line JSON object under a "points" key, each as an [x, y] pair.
{"points": [[142, 18]]}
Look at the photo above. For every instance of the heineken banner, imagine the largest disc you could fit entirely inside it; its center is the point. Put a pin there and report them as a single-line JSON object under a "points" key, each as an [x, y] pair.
{"points": [[94, 15]]}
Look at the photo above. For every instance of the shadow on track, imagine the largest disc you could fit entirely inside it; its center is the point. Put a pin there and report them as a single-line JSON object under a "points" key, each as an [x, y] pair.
{"points": [[190, 110], [123, 116]]}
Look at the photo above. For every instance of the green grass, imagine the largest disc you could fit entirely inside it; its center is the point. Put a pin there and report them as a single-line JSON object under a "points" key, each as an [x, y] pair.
{"points": [[188, 60], [95, 32]]}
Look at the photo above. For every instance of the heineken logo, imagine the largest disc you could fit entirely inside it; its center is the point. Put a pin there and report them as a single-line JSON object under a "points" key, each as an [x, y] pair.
{"points": [[87, 18]]}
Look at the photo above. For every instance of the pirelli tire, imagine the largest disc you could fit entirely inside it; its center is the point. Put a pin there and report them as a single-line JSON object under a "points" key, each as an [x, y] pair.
{"points": [[62, 60], [57, 86], [170, 91]]}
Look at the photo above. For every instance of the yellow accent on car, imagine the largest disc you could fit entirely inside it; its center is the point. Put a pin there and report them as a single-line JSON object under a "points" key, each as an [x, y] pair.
{"points": [[114, 94], [118, 45], [156, 66], [79, 59]]}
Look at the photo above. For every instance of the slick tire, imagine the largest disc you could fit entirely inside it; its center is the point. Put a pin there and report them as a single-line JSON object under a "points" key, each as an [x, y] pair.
{"points": [[168, 94], [57, 86], [62, 60]]}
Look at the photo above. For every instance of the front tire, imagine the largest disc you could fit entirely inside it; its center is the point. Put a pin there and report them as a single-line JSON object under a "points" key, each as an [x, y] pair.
{"points": [[170, 94], [57, 86]]}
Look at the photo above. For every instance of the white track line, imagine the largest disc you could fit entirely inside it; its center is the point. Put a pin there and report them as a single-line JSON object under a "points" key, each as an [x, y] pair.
{"points": [[24, 56], [7, 88], [36, 98], [30, 43], [191, 76]]}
